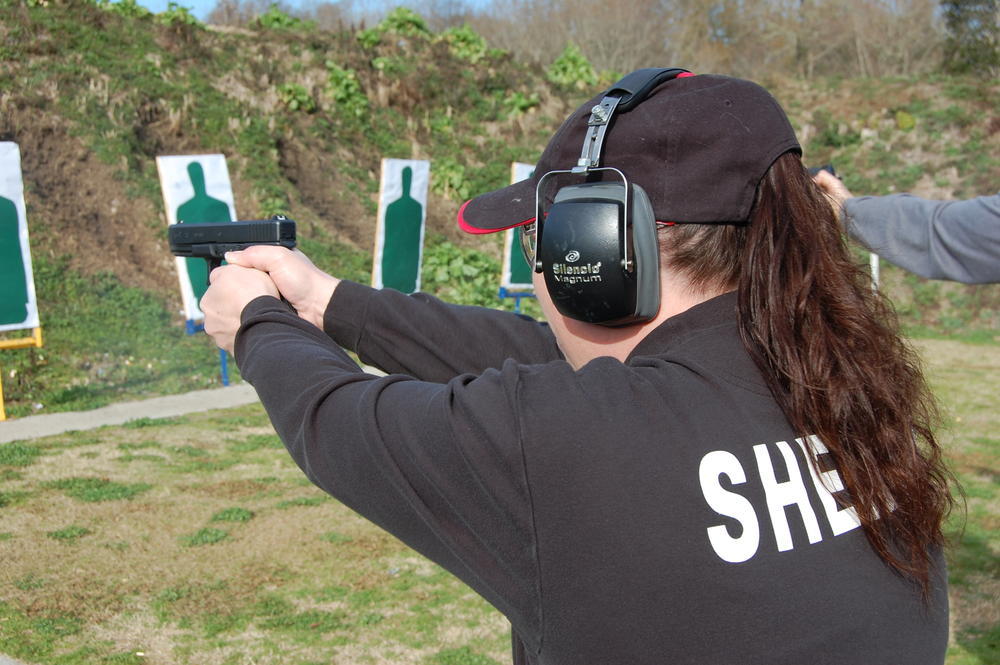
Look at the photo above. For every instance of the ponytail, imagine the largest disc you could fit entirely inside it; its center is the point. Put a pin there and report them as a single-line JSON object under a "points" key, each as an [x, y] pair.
{"points": [[831, 352]]}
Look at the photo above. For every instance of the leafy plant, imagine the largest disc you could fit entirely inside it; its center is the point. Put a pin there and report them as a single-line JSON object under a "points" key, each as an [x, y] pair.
{"points": [[344, 87], [905, 121], [403, 21], [296, 97], [448, 179], [393, 66], [127, 8], [572, 69], [517, 102], [176, 15], [400, 21], [460, 276], [275, 19], [465, 43], [369, 38]]}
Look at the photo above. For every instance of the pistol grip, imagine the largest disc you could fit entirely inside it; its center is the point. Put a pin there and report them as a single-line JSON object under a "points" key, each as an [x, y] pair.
{"points": [[213, 263]]}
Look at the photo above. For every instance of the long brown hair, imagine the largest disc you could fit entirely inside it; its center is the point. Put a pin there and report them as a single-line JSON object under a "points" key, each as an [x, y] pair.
{"points": [[831, 352]]}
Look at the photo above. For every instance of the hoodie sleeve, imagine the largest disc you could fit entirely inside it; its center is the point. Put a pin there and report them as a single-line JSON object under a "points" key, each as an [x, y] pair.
{"points": [[423, 337], [438, 465]]}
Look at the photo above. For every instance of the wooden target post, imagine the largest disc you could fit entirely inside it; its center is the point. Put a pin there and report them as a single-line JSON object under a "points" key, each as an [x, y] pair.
{"points": [[22, 343]]}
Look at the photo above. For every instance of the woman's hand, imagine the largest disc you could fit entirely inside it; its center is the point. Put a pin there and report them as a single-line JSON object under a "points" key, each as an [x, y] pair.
{"points": [[232, 288], [306, 288]]}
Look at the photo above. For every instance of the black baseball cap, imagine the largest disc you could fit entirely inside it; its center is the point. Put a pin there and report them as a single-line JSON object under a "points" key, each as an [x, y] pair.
{"points": [[698, 145]]}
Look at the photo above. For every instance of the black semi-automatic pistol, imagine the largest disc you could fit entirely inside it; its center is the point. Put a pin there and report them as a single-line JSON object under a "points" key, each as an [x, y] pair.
{"points": [[212, 241]]}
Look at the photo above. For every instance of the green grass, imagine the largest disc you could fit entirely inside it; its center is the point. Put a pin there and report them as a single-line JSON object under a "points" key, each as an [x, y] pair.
{"points": [[18, 453], [462, 656], [300, 502], [69, 534], [126, 88], [139, 423], [256, 442], [97, 489], [334, 537], [206, 536], [95, 354], [233, 515], [247, 562], [29, 582]]}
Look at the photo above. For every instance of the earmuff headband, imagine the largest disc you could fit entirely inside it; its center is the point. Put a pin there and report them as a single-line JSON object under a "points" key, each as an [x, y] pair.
{"points": [[624, 96], [597, 248]]}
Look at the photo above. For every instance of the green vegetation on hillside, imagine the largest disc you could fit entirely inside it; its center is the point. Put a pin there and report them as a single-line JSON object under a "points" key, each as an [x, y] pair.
{"points": [[93, 92], [303, 117]]}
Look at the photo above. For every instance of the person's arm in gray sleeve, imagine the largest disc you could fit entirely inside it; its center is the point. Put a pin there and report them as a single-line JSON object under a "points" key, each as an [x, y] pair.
{"points": [[955, 240]]}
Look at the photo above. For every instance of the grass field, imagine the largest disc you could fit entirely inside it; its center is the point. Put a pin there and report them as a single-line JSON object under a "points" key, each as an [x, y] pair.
{"points": [[196, 540]]}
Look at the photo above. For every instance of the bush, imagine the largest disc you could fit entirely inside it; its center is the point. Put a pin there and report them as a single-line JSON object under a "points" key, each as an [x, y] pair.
{"points": [[345, 89], [400, 21], [517, 103], [296, 98], [905, 121], [465, 43], [448, 179], [126, 8], [459, 276], [572, 70], [403, 21], [176, 15], [275, 19]]}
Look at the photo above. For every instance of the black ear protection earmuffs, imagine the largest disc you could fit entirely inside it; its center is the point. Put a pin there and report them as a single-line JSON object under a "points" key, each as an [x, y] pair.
{"points": [[596, 244]]}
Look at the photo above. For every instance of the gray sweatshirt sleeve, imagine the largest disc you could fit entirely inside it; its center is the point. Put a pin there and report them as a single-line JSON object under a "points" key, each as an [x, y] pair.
{"points": [[954, 240]]}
